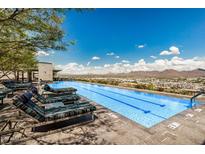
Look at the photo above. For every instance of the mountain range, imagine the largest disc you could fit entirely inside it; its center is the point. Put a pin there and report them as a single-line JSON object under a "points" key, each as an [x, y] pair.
{"points": [[155, 74]]}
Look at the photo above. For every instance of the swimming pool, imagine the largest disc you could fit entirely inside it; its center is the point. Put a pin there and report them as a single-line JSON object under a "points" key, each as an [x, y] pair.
{"points": [[146, 109]]}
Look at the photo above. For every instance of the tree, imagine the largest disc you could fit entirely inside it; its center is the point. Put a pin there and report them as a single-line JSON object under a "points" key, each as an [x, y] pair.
{"points": [[23, 60], [25, 31], [34, 29], [150, 86]]}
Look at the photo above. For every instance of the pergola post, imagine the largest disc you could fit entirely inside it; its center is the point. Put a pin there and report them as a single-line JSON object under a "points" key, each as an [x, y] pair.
{"points": [[29, 76]]}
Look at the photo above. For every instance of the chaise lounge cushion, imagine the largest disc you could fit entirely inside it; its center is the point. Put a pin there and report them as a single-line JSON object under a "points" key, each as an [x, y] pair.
{"points": [[59, 90], [68, 112], [34, 90], [25, 97], [24, 104], [17, 85], [64, 98]]}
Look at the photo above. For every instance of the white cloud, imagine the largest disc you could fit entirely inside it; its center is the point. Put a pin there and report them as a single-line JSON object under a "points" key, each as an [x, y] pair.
{"points": [[113, 54], [95, 58], [165, 52], [153, 57], [176, 63], [125, 61], [141, 46], [110, 54], [141, 62], [172, 51], [42, 53], [88, 63], [107, 65]]}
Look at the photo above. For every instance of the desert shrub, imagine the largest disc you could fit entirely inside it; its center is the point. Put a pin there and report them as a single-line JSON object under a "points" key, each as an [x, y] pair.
{"points": [[160, 89]]}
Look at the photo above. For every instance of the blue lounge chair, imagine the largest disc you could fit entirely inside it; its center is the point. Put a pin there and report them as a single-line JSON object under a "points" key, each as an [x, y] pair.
{"points": [[68, 90], [16, 85], [25, 104], [69, 98]]}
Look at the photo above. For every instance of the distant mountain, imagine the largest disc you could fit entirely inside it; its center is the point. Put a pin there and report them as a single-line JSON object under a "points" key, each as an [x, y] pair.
{"points": [[157, 74], [168, 73]]}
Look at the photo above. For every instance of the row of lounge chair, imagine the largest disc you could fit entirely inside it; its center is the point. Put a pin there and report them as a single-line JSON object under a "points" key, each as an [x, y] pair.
{"points": [[65, 94], [64, 105], [9, 86], [54, 106], [14, 85], [25, 104]]}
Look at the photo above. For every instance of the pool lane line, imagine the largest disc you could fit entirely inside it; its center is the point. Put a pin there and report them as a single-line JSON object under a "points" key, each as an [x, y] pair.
{"points": [[161, 105], [78, 86], [183, 103], [145, 111]]}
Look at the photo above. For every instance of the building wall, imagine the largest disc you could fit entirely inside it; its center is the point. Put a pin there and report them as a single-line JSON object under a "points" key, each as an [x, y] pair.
{"points": [[45, 71]]}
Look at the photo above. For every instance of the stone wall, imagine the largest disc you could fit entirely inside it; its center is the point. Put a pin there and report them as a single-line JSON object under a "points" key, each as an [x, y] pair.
{"points": [[45, 71]]}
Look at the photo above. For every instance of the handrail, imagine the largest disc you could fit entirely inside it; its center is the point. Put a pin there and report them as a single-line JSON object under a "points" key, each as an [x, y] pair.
{"points": [[196, 95]]}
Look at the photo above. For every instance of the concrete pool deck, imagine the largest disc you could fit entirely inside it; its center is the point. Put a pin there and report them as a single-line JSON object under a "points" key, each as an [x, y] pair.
{"points": [[188, 127]]}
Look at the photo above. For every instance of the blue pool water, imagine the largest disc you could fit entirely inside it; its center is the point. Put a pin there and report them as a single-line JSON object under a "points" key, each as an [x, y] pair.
{"points": [[144, 108]]}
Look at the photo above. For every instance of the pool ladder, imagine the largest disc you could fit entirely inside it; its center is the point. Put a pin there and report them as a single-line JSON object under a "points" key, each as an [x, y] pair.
{"points": [[201, 92]]}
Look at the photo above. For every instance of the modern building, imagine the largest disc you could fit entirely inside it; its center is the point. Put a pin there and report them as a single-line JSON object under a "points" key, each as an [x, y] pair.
{"points": [[44, 71]]}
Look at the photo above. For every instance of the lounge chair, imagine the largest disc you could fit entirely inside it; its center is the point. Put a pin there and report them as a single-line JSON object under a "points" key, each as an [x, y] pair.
{"points": [[71, 98], [3, 93], [25, 104], [68, 90], [16, 85]]}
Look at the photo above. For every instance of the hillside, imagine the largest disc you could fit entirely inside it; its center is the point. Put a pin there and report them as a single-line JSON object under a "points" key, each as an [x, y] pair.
{"points": [[147, 74]]}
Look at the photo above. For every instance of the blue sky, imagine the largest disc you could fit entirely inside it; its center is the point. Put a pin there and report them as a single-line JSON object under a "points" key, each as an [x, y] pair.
{"points": [[131, 34]]}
